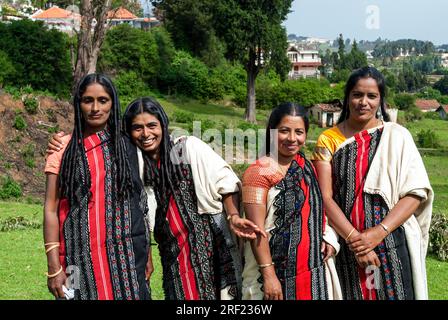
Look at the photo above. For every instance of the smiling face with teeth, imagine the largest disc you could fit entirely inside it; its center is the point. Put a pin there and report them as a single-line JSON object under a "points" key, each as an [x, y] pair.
{"points": [[146, 133]]}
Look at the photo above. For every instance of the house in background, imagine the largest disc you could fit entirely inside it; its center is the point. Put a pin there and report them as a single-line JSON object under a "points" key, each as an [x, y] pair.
{"points": [[443, 111], [305, 63], [427, 105], [60, 19], [122, 15], [326, 114]]}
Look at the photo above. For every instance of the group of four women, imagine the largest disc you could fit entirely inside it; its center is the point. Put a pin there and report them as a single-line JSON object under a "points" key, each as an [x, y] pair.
{"points": [[351, 225]]}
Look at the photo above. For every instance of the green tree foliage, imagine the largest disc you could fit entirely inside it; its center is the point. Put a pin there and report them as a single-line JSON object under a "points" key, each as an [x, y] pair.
{"points": [[427, 139], [410, 80], [6, 69], [254, 36], [190, 23], [442, 85], [404, 101], [395, 48], [130, 49], [38, 55]]}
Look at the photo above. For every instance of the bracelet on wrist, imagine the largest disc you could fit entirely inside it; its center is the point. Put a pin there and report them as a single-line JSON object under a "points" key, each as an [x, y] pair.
{"points": [[229, 216], [262, 266]]}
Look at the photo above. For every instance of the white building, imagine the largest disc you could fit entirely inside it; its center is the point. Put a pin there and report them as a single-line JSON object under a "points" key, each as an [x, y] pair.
{"points": [[305, 63]]}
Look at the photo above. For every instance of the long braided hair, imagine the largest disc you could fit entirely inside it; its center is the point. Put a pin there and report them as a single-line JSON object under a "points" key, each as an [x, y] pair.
{"points": [[158, 174], [362, 73], [71, 185]]}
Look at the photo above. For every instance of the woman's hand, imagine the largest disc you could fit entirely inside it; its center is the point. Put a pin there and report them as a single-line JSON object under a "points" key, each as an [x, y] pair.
{"points": [[369, 259], [366, 241], [327, 250], [149, 269], [271, 286], [55, 143], [244, 228], [55, 284]]}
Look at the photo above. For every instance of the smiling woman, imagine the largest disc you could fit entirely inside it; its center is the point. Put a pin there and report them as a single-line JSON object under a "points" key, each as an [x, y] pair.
{"points": [[94, 219], [377, 196]]}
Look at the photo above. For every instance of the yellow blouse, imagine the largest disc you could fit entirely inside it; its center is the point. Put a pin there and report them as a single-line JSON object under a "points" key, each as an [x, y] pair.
{"points": [[327, 143]]}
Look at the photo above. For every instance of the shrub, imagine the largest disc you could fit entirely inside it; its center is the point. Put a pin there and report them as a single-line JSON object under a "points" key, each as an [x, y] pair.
{"points": [[183, 117], [6, 68], [17, 223], [19, 123], [28, 155], [404, 101], [10, 189], [413, 114], [431, 115], [427, 139], [39, 55], [438, 236], [31, 105]]}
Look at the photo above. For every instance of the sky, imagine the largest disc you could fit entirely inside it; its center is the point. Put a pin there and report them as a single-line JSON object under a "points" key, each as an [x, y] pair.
{"points": [[370, 19]]}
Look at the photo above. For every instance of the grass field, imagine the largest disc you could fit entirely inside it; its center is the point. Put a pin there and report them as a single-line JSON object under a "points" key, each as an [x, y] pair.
{"points": [[23, 261], [22, 257]]}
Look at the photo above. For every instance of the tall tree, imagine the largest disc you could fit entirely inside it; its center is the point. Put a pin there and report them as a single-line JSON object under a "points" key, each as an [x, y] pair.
{"points": [[254, 36], [90, 37]]}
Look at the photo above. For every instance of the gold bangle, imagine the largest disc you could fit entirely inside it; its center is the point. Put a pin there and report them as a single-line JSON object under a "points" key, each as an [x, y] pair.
{"points": [[54, 274], [51, 243], [231, 215], [385, 228], [261, 266], [349, 235], [51, 248]]}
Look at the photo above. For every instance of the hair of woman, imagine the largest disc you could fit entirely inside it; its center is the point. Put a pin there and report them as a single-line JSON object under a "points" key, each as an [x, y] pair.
{"points": [[71, 185], [363, 73], [285, 109]]}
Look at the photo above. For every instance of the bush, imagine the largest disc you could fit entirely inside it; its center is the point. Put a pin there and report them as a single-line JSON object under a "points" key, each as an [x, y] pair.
{"points": [[28, 155], [431, 115], [130, 86], [438, 236], [6, 68], [188, 76], [19, 123], [129, 49], [183, 117], [10, 189], [31, 105], [39, 56], [404, 101], [413, 114], [427, 139]]}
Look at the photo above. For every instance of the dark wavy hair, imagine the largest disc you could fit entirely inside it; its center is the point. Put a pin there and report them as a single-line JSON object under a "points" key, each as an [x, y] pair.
{"points": [[363, 73], [71, 185], [161, 178], [285, 109]]}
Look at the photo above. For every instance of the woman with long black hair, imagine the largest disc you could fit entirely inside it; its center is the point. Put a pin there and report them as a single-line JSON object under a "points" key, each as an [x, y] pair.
{"points": [[95, 205]]}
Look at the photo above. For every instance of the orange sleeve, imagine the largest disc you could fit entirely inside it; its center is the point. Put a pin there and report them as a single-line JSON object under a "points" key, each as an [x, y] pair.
{"points": [[54, 160], [258, 180]]}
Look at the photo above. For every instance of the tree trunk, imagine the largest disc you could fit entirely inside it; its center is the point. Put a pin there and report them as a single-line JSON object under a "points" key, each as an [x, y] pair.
{"points": [[90, 42], [252, 72]]}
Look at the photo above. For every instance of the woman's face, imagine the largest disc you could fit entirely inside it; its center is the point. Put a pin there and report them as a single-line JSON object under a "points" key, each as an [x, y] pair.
{"points": [[96, 104], [291, 135], [364, 100], [146, 132]]}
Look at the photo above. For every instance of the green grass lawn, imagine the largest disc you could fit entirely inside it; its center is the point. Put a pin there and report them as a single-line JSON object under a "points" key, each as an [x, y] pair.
{"points": [[23, 262]]}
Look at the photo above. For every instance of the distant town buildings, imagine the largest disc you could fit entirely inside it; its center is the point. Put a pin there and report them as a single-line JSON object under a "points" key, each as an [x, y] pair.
{"points": [[69, 20]]}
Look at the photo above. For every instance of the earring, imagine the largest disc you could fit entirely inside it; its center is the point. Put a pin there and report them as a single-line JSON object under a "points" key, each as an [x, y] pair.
{"points": [[379, 113]]}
